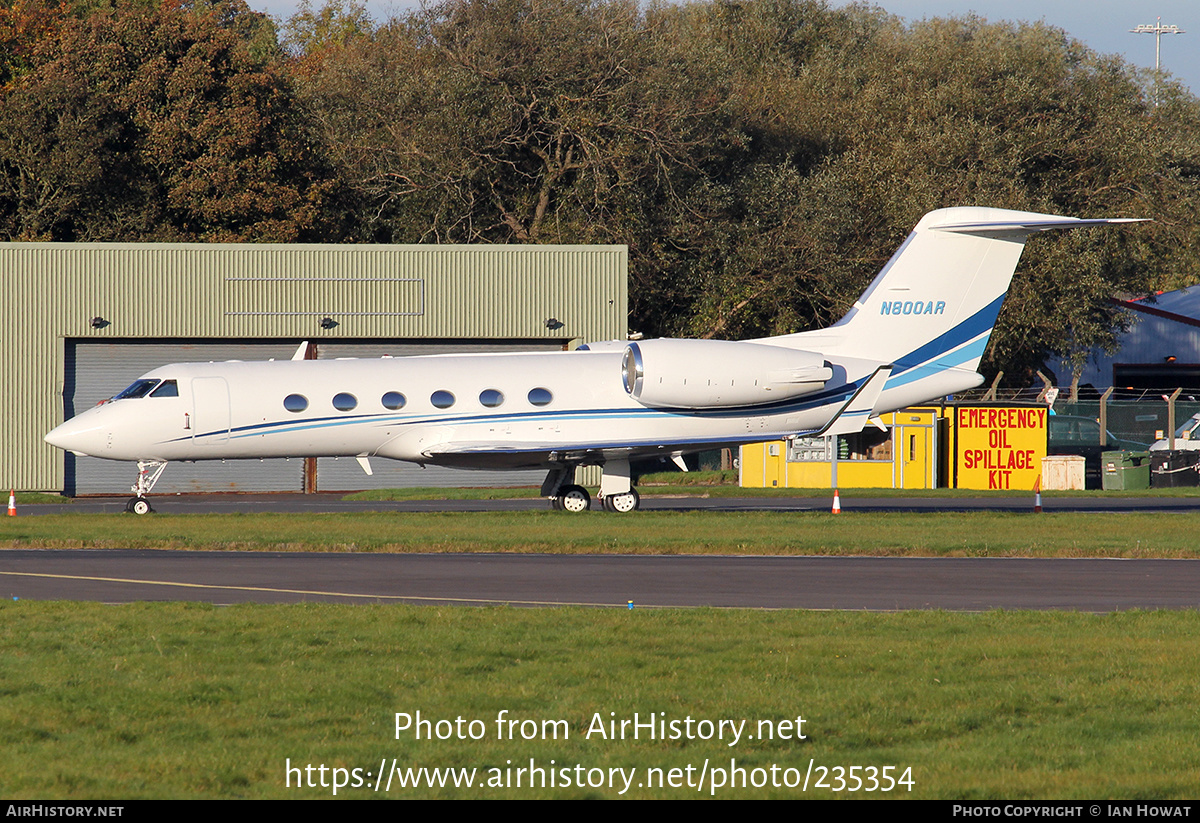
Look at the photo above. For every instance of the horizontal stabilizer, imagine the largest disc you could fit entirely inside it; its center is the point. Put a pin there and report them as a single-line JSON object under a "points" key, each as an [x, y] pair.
{"points": [[1035, 223]]}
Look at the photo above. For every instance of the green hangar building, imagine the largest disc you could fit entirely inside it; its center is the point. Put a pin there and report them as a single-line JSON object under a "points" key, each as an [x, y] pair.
{"points": [[86, 319]]}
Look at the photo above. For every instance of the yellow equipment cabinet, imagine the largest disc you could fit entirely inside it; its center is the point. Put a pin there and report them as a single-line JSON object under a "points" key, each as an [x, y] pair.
{"points": [[903, 455]]}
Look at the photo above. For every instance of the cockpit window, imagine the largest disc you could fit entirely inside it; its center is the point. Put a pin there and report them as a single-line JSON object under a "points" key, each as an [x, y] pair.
{"points": [[140, 388], [168, 388]]}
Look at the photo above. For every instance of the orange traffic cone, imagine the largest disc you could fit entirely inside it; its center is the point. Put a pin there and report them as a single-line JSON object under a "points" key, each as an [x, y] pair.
{"points": [[1037, 495], [837, 502], [12, 503]]}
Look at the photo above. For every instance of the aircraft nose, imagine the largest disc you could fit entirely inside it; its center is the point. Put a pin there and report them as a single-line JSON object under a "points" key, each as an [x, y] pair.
{"points": [[77, 435]]}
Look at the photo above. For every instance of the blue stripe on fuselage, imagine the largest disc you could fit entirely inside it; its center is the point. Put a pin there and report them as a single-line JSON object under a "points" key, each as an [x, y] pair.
{"points": [[980, 323]]}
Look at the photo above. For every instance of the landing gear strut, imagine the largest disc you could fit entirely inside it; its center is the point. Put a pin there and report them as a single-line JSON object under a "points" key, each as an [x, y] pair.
{"points": [[616, 490], [148, 473]]}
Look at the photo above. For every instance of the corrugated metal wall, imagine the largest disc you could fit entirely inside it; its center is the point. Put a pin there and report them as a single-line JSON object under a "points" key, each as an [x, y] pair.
{"points": [[1150, 340], [224, 293]]}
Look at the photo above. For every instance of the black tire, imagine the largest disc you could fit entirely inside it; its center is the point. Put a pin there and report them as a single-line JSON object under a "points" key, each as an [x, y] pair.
{"points": [[624, 503]]}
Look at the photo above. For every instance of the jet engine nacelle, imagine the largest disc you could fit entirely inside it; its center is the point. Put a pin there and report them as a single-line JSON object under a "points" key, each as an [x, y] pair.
{"points": [[699, 374]]}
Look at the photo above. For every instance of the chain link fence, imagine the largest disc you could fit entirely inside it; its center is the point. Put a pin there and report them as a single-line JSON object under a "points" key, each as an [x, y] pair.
{"points": [[1137, 416]]}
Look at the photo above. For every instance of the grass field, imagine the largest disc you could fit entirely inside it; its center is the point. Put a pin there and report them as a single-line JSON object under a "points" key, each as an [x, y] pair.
{"points": [[676, 485], [972, 534], [191, 701]]}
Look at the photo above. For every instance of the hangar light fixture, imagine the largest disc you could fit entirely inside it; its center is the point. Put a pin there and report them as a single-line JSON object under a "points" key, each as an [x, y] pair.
{"points": [[98, 322], [328, 323]]}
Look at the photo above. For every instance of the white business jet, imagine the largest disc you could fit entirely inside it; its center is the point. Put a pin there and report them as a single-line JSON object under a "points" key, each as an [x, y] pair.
{"points": [[916, 334]]}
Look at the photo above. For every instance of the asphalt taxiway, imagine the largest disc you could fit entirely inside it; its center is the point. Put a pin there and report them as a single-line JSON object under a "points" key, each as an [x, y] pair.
{"points": [[117, 576], [335, 502], [870, 583]]}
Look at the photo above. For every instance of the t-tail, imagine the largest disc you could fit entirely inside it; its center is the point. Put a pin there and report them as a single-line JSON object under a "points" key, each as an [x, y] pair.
{"points": [[934, 304]]}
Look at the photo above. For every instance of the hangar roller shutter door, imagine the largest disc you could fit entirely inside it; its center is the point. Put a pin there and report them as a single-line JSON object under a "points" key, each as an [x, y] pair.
{"points": [[96, 370]]}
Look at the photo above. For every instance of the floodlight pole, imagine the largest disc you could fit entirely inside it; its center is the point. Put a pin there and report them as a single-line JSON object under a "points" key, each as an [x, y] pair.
{"points": [[1158, 30]]}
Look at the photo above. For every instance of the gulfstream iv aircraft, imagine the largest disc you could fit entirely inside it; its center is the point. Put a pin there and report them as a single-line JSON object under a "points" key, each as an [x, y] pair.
{"points": [[916, 334]]}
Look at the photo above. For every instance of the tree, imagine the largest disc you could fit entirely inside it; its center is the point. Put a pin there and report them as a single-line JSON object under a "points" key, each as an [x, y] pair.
{"points": [[511, 121], [334, 24], [158, 123], [761, 159]]}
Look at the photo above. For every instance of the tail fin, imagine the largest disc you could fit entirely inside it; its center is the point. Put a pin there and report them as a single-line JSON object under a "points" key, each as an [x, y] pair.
{"points": [[935, 302]]}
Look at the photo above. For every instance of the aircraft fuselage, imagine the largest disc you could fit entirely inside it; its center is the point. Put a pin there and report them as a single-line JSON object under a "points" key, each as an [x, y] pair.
{"points": [[917, 333], [488, 411]]}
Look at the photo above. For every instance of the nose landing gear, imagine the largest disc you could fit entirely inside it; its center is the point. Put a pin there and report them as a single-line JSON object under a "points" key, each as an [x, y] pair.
{"points": [[148, 473]]}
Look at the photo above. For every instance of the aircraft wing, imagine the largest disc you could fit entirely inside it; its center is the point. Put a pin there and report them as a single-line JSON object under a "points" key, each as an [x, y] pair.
{"points": [[860, 408]]}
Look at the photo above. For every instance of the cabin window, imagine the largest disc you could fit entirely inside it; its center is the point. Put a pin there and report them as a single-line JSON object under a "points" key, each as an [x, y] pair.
{"points": [[491, 398], [343, 401], [540, 397], [167, 388], [442, 399], [140, 388], [295, 402], [393, 400]]}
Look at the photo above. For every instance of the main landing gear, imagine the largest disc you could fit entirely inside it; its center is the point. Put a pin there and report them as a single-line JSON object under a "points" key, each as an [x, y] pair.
{"points": [[616, 492], [572, 498], [148, 473], [622, 503]]}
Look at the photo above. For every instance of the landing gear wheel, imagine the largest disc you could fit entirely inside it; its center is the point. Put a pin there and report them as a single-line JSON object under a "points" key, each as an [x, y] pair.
{"points": [[139, 505], [623, 503], [575, 499]]}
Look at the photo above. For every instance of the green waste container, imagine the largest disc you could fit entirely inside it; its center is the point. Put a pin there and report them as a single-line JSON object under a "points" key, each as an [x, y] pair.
{"points": [[1125, 470]]}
